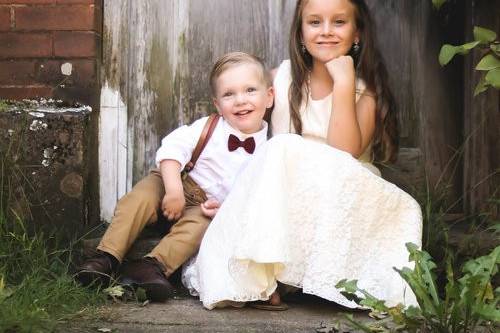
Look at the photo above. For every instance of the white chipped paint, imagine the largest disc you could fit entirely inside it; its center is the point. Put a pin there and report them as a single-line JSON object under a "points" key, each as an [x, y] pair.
{"points": [[83, 108], [113, 145], [37, 125], [37, 114], [66, 68]]}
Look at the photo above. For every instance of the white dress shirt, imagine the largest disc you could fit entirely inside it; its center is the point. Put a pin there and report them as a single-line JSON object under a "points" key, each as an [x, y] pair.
{"points": [[217, 167]]}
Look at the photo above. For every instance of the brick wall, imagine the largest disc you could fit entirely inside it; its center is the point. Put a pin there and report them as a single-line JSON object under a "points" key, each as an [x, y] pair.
{"points": [[37, 37]]}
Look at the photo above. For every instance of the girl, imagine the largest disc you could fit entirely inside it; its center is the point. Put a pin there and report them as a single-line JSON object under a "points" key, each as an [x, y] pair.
{"points": [[305, 212]]}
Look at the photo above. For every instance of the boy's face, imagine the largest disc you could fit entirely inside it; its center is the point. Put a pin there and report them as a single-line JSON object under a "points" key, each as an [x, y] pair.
{"points": [[242, 97]]}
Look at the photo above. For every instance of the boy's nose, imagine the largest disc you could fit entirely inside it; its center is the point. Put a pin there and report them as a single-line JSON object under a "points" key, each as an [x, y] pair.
{"points": [[241, 99]]}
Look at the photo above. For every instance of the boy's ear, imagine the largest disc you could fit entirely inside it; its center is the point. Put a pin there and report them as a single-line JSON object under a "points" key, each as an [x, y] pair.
{"points": [[270, 97]]}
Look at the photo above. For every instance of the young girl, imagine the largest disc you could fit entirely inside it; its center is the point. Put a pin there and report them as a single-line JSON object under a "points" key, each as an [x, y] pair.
{"points": [[305, 212]]}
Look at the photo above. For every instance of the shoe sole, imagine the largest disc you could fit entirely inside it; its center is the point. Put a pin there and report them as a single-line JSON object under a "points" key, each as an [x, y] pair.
{"points": [[155, 292], [87, 278]]}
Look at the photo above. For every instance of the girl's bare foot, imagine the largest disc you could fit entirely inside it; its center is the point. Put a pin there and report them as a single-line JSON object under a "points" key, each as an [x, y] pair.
{"points": [[272, 304], [275, 299]]}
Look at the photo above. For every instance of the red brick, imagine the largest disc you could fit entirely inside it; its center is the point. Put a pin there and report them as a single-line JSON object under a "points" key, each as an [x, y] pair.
{"points": [[85, 2], [75, 17], [78, 44], [25, 45], [25, 92], [83, 73], [4, 18], [27, 2], [17, 72]]}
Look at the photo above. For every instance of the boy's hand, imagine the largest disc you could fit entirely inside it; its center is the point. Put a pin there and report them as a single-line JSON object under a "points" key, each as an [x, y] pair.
{"points": [[173, 204], [210, 207]]}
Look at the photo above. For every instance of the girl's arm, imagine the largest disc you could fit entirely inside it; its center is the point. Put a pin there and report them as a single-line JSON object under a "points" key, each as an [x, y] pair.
{"points": [[352, 124]]}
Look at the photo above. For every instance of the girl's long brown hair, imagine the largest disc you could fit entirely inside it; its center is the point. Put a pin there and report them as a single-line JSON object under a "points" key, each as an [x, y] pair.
{"points": [[369, 66]]}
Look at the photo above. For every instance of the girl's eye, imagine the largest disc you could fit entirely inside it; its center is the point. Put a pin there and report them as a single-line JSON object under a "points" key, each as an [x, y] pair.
{"points": [[251, 89], [314, 22], [339, 22], [227, 94]]}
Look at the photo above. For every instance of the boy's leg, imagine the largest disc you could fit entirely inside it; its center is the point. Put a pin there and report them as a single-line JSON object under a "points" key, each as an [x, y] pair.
{"points": [[135, 210], [183, 240]]}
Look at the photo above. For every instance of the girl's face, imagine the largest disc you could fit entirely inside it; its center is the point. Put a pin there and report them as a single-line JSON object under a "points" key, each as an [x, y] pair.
{"points": [[328, 28]]}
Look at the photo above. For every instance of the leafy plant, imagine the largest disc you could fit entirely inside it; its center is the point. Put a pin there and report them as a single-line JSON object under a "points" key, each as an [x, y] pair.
{"points": [[463, 304], [490, 62]]}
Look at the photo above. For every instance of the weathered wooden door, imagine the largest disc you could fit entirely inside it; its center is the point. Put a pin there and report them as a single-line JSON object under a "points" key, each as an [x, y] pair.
{"points": [[157, 55]]}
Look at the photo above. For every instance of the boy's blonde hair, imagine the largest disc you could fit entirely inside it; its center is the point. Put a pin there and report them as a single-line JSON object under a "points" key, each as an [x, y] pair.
{"points": [[232, 59]]}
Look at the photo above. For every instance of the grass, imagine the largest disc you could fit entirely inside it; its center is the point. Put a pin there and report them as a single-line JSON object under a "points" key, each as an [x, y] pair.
{"points": [[37, 290]]}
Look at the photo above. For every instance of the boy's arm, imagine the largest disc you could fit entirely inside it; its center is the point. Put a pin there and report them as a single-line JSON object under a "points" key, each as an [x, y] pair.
{"points": [[173, 202]]}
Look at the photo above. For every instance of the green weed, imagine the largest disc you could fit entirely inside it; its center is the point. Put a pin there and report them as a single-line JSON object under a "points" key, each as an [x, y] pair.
{"points": [[468, 301]]}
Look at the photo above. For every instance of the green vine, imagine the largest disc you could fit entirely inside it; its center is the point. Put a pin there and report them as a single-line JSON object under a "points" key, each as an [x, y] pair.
{"points": [[484, 39]]}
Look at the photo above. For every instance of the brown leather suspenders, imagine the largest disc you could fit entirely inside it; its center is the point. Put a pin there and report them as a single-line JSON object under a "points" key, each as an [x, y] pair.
{"points": [[205, 135]]}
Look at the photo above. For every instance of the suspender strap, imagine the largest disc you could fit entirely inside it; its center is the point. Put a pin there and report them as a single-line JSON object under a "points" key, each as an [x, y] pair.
{"points": [[205, 135]]}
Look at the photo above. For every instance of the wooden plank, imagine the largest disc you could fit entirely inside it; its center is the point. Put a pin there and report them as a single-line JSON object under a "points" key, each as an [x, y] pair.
{"points": [[481, 121], [411, 35]]}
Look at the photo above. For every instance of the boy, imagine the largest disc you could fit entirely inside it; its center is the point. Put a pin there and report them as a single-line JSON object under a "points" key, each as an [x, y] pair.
{"points": [[241, 91]]}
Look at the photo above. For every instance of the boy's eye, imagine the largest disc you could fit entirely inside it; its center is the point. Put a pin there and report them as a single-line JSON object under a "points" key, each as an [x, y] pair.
{"points": [[251, 89], [227, 94]]}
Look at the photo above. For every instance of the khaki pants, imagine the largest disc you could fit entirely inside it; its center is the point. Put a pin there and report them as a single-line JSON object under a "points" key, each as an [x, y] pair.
{"points": [[141, 206]]}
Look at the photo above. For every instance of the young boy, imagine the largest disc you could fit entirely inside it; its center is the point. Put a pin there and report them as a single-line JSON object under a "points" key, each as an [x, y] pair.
{"points": [[241, 91]]}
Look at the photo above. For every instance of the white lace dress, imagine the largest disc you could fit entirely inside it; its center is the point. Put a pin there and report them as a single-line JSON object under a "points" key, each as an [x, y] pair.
{"points": [[307, 215]]}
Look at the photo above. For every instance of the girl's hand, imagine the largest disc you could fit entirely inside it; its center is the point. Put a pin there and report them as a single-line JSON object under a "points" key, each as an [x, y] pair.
{"points": [[210, 207], [341, 70]]}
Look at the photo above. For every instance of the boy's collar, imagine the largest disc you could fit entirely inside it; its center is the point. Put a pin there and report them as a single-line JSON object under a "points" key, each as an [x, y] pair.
{"points": [[231, 130]]}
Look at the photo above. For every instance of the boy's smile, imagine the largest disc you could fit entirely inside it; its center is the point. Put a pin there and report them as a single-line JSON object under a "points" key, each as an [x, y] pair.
{"points": [[242, 97]]}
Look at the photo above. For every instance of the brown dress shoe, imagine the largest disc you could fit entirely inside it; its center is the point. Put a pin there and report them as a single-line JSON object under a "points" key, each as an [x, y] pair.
{"points": [[97, 269], [147, 273]]}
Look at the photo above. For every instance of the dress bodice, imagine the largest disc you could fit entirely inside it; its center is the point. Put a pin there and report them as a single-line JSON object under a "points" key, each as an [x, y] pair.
{"points": [[315, 113]]}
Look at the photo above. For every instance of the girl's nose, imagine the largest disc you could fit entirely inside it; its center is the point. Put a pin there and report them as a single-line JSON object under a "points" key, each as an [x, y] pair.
{"points": [[326, 28]]}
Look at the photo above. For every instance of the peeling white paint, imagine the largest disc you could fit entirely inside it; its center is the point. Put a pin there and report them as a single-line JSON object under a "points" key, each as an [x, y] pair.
{"points": [[10, 132], [37, 125], [115, 180], [37, 114], [45, 163], [66, 68]]}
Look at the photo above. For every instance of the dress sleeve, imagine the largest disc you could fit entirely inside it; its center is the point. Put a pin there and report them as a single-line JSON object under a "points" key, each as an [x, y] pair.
{"points": [[180, 143]]}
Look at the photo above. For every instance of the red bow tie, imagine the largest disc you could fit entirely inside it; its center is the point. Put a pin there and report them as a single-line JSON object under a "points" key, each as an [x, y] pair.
{"points": [[234, 143]]}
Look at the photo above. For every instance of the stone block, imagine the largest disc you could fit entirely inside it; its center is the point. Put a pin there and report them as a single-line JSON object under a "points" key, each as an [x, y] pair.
{"points": [[44, 151]]}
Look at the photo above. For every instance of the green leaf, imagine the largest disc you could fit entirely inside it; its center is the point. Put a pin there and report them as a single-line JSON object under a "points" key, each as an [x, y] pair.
{"points": [[495, 48], [482, 86], [485, 36], [488, 312], [447, 53], [465, 48], [349, 286], [488, 62], [493, 78], [438, 3]]}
